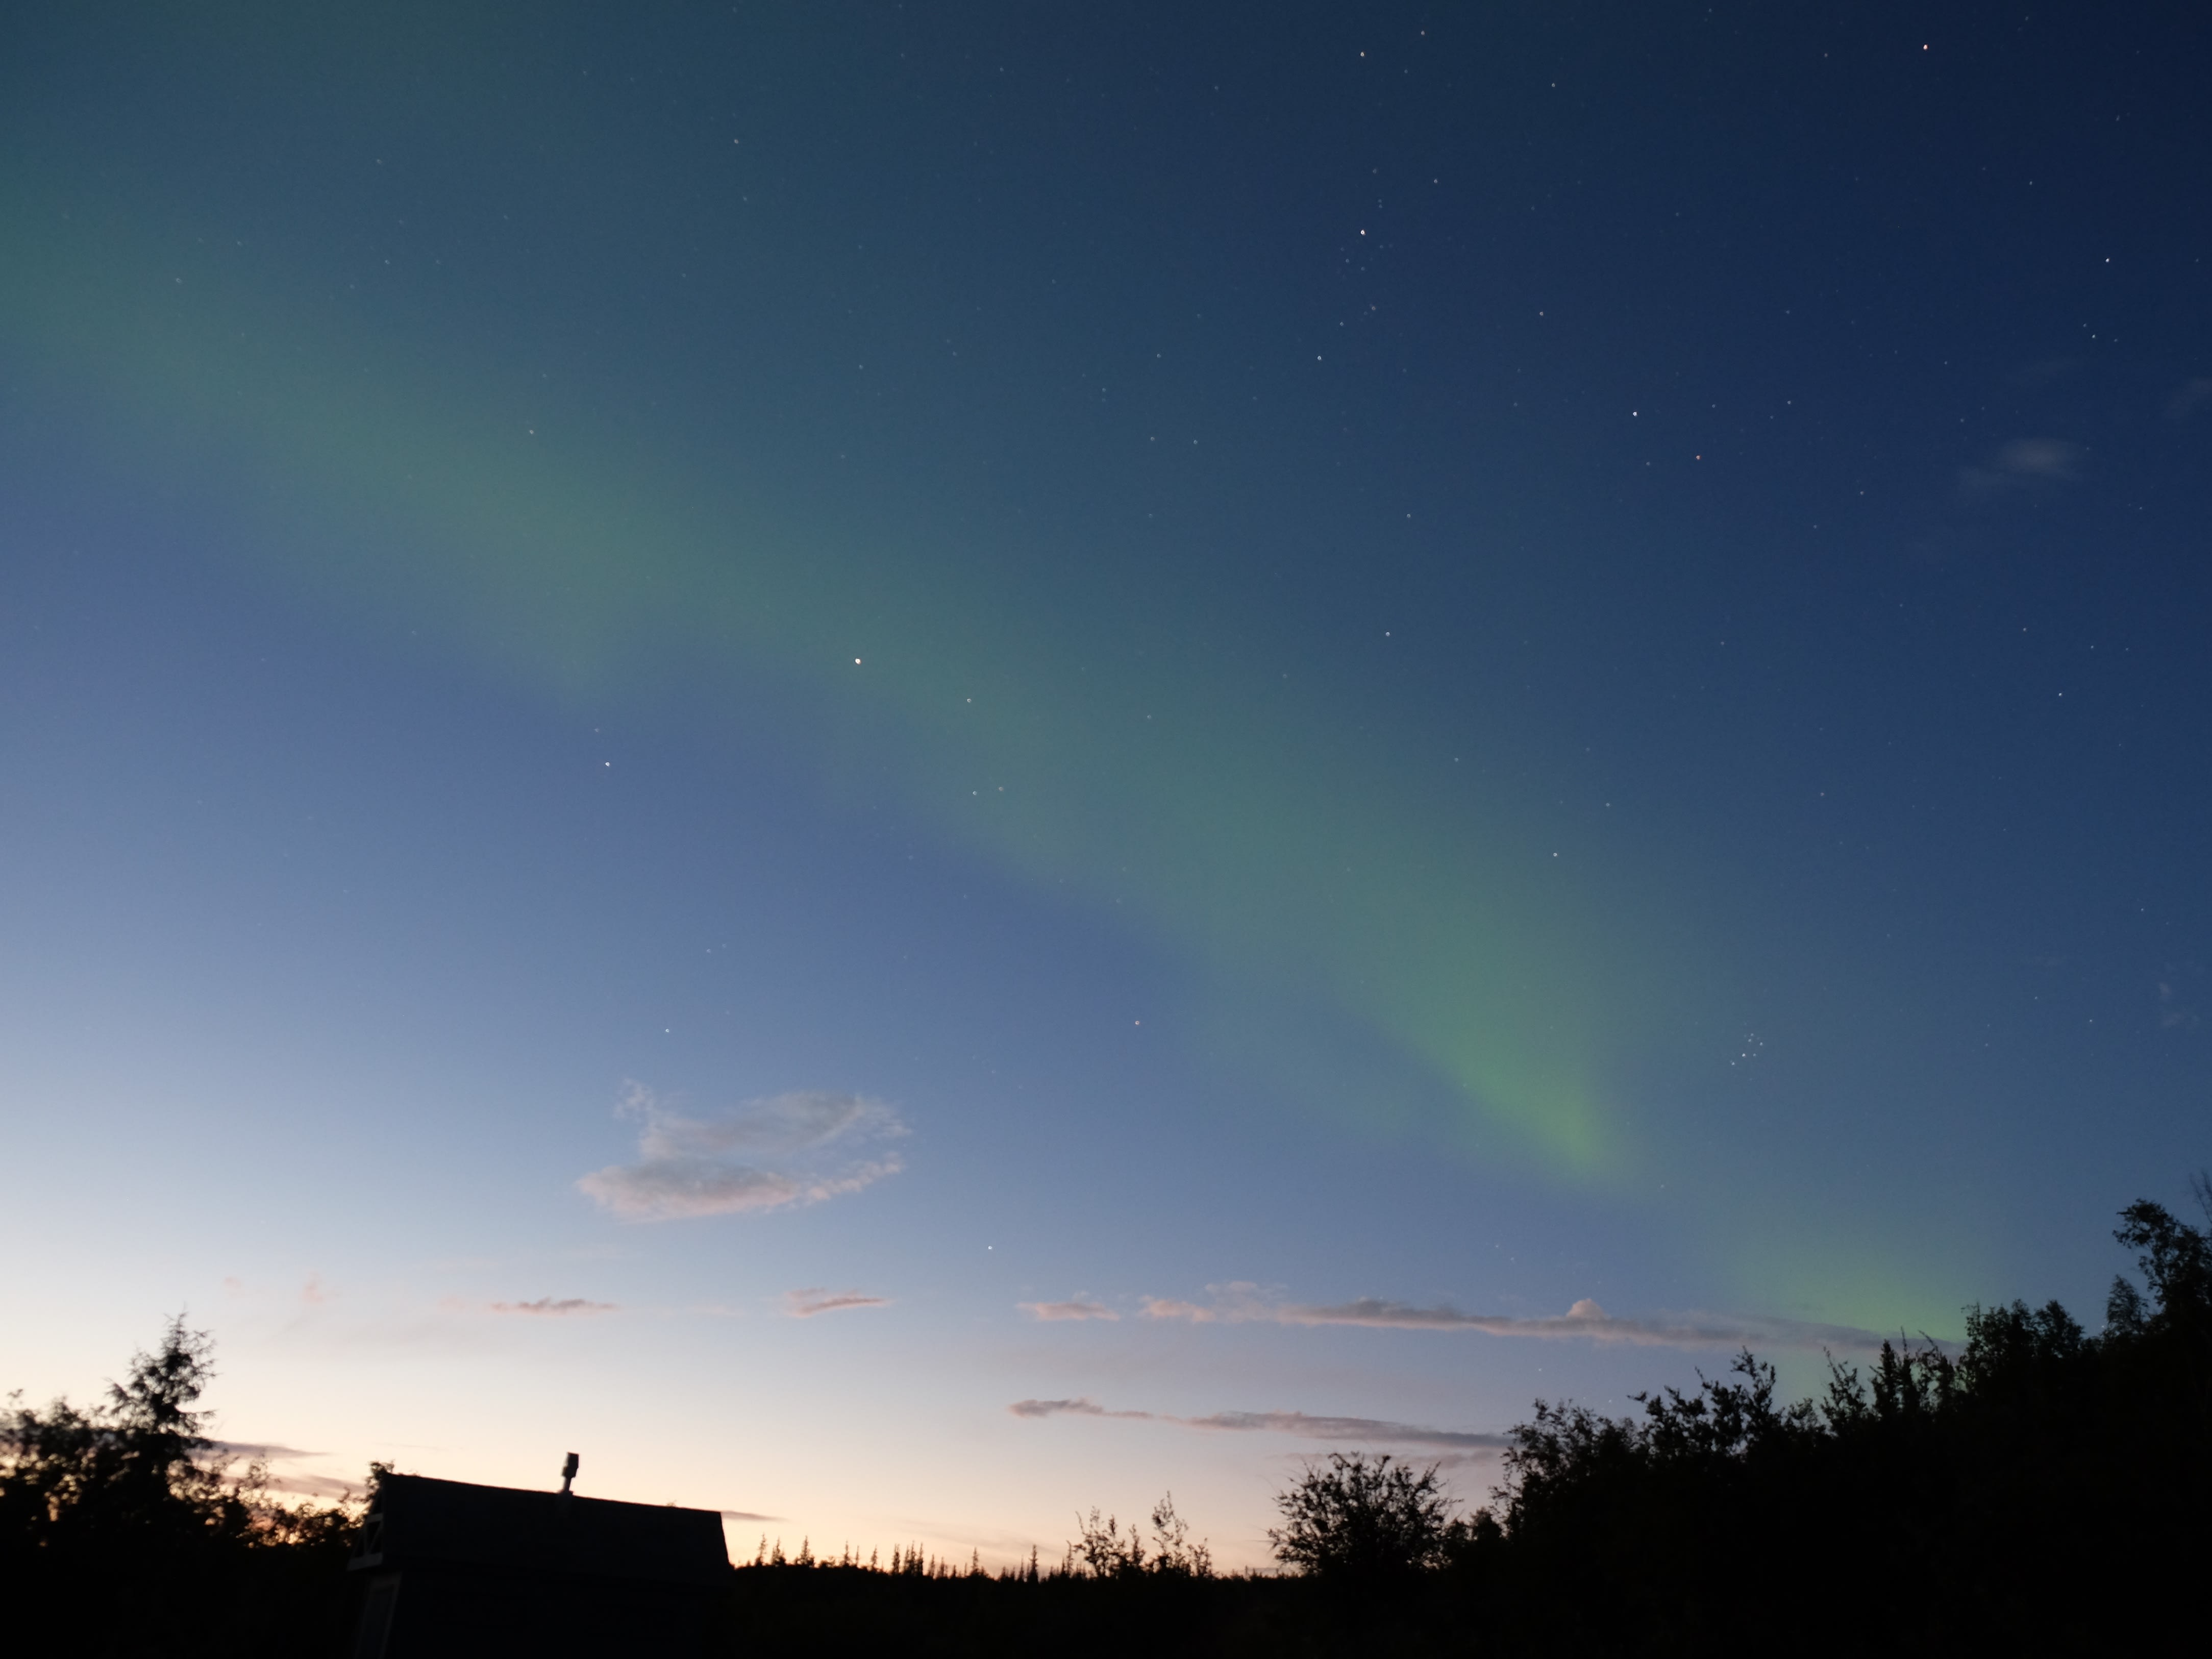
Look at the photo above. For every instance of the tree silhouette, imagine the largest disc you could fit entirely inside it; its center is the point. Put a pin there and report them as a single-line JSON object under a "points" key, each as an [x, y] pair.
{"points": [[1358, 1518], [125, 1474], [1953, 1488], [121, 1520]]}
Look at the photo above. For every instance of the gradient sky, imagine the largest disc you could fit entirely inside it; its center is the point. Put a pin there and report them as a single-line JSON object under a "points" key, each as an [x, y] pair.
{"points": [[914, 766]]}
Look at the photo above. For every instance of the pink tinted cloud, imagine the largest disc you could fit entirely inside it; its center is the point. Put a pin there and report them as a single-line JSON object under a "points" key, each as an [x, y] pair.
{"points": [[1076, 1308], [1305, 1426], [546, 1307], [1242, 1304], [814, 1299]]}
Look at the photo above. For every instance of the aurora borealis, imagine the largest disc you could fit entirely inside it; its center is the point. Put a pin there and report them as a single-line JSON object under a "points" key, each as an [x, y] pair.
{"points": [[1237, 827], [1459, 667]]}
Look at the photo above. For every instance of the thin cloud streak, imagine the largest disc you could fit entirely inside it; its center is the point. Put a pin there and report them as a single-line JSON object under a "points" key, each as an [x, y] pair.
{"points": [[814, 1299], [219, 1454], [1242, 1305], [1075, 1309], [1303, 1424], [315, 1486], [548, 1307], [258, 1452], [2023, 463]]}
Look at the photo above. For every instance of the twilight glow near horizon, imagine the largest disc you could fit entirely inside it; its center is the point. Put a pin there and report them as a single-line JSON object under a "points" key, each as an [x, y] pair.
{"points": [[915, 767]]}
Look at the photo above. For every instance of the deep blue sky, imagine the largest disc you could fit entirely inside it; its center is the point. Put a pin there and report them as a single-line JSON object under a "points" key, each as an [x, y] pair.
{"points": [[1324, 679]]}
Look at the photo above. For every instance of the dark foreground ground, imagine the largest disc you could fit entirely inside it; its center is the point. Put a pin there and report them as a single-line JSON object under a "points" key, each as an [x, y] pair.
{"points": [[1688, 1589]]}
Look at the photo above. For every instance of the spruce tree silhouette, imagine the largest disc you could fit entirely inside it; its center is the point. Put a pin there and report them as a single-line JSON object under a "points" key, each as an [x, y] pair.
{"points": [[124, 1474], [117, 1520]]}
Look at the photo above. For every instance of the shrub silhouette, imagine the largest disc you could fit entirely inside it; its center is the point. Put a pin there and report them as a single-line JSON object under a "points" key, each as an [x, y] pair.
{"points": [[1104, 1551], [1357, 1518]]}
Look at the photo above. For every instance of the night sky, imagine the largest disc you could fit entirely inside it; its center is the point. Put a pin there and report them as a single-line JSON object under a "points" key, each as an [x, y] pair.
{"points": [[911, 766]]}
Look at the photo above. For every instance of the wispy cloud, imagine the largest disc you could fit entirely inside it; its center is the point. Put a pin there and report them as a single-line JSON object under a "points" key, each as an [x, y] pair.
{"points": [[771, 1154], [806, 1303], [2021, 464], [258, 1451], [1243, 1304], [222, 1455], [2046, 372], [1077, 1308], [1373, 1430], [546, 1307], [296, 1484], [2192, 395], [2173, 1014]]}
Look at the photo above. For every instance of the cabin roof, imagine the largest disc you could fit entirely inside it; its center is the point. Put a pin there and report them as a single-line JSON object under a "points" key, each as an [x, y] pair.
{"points": [[416, 1519]]}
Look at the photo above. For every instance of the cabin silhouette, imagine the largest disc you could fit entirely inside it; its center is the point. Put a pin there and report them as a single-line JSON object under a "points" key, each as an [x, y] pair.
{"points": [[449, 1568]]}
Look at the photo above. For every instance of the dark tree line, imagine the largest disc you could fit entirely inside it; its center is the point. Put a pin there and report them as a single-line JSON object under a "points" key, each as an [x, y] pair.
{"points": [[121, 1535], [2042, 1489]]}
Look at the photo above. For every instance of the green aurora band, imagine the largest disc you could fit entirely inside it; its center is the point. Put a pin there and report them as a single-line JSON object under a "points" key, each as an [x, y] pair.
{"points": [[1223, 810]]}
